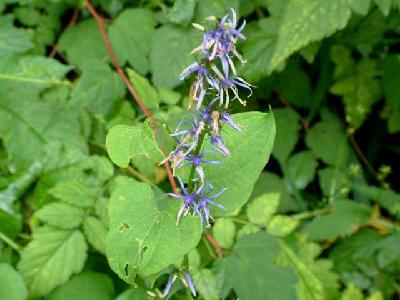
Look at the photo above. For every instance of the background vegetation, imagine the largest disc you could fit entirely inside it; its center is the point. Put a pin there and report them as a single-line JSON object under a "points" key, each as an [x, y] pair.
{"points": [[323, 219]]}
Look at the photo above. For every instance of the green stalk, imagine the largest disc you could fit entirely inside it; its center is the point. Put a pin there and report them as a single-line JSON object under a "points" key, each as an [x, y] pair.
{"points": [[9, 242]]}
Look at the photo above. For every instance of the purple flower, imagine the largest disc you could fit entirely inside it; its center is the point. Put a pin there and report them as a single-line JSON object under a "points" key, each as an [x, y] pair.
{"points": [[171, 280], [198, 160], [218, 144], [188, 282], [201, 206], [226, 118], [188, 199]]}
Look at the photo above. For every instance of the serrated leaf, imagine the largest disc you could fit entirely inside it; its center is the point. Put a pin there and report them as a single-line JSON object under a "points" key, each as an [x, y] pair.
{"points": [[384, 6], [143, 236], [252, 272], [250, 150], [343, 220], [61, 215], [74, 192], [83, 43], [328, 142], [261, 209], [360, 7], [352, 293], [51, 258], [133, 46], [170, 53], [145, 90], [96, 233], [357, 83], [125, 142], [218, 8], [205, 283], [281, 225], [310, 285], [13, 40], [88, 286], [99, 89], [12, 286], [182, 11], [224, 232], [301, 169], [248, 229], [287, 133], [386, 198], [334, 182]]}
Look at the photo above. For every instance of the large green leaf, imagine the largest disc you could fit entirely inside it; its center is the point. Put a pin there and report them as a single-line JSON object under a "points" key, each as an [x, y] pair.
{"points": [[98, 88], [170, 53], [143, 236], [61, 215], [253, 273], [343, 220], [130, 36], [125, 142], [51, 258], [250, 150], [12, 286], [83, 43], [88, 286], [293, 24], [301, 168], [13, 40]]}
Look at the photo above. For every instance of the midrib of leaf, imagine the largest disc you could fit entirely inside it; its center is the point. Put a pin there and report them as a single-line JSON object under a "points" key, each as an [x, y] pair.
{"points": [[34, 80], [25, 122], [57, 250]]}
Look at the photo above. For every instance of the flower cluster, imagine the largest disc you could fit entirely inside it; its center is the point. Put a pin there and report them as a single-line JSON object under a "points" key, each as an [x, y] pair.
{"points": [[215, 86]]}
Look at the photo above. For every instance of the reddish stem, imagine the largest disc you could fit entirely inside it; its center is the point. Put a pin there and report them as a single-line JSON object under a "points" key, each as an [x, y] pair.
{"points": [[128, 84], [219, 250], [71, 23]]}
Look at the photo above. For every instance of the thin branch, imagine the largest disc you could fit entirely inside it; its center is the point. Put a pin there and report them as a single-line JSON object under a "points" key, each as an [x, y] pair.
{"points": [[365, 161], [128, 84], [70, 24], [9, 242], [287, 105], [217, 247]]}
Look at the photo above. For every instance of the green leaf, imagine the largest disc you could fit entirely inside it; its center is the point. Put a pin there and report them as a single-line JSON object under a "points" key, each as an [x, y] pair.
{"points": [[218, 8], [334, 183], [61, 215], [253, 273], [346, 217], [133, 294], [357, 83], [250, 150], [281, 225], [143, 236], [133, 46], [287, 133], [384, 6], [144, 89], [360, 7], [261, 209], [74, 192], [301, 168], [83, 43], [126, 142], [88, 286], [328, 142], [12, 286], [352, 293], [293, 24], [99, 89], [182, 11], [386, 198], [205, 283], [51, 258], [170, 53], [224, 232], [96, 233], [13, 40], [310, 285]]}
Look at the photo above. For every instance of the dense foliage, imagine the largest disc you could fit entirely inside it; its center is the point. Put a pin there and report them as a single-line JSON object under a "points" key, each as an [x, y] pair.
{"points": [[84, 211]]}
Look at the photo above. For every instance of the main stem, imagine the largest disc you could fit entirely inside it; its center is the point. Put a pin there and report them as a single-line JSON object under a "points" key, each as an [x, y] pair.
{"points": [[193, 169]]}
